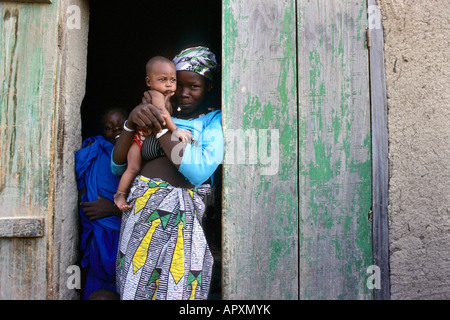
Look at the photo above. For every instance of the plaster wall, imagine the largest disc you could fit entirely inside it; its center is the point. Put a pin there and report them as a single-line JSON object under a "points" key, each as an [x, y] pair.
{"points": [[417, 34], [71, 90]]}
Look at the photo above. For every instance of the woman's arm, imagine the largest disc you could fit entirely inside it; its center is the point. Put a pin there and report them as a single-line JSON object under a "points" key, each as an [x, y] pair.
{"points": [[202, 159], [123, 144], [198, 161], [144, 115], [155, 120], [173, 148]]}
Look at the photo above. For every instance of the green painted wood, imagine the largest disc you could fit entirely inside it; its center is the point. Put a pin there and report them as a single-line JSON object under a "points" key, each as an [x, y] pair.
{"points": [[334, 150], [260, 203], [27, 102], [322, 187], [28, 69]]}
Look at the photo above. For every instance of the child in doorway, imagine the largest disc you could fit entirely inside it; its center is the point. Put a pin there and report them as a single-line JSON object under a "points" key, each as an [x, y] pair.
{"points": [[161, 80], [99, 219]]}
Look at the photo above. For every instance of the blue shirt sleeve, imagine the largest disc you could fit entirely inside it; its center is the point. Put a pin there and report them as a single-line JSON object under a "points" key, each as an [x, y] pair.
{"points": [[201, 160], [117, 169]]}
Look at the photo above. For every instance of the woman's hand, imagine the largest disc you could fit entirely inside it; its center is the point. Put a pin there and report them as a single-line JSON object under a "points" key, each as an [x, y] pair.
{"points": [[148, 116], [154, 116], [100, 208], [145, 115]]}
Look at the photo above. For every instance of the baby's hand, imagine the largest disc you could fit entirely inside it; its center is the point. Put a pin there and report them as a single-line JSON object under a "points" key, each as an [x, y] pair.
{"points": [[183, 135]]}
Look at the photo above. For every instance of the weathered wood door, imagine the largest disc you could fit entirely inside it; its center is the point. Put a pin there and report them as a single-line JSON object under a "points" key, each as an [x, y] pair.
{"points": [[38, 195], [28, 66], [296, 206], [296, 86]]}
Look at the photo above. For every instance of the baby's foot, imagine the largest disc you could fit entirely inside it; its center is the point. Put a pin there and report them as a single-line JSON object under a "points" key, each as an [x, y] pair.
{"points": [[121, 202]]}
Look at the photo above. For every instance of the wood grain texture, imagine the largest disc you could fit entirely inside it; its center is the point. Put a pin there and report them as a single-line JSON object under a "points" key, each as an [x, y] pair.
{"points": [[21, 227], [334, 150], [28, 66], [303, 189], [260, 239]]}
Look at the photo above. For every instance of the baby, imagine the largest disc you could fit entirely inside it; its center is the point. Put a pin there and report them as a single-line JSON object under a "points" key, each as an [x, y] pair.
{"points": [[161, 80]]}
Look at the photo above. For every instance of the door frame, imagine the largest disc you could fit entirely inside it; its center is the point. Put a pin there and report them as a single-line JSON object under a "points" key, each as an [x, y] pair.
{"points": [[380, 163]]}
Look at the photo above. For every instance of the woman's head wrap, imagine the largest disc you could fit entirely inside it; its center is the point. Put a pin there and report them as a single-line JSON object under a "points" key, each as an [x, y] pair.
{"points": [[197, 59]]}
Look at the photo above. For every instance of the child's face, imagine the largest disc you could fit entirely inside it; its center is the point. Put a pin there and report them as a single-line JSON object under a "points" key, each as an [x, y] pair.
{"points": [[113, 125], [162, 78]]}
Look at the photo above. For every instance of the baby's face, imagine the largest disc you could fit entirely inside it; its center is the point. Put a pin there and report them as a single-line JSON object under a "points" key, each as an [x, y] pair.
{"points": [[163, 78]]}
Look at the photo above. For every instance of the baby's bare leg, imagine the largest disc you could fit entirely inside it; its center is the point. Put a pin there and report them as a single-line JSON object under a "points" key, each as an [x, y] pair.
{"points": [[134, 165]]}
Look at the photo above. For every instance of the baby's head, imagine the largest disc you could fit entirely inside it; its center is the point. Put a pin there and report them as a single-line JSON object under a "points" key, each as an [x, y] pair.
{"points": [[161, 75]]}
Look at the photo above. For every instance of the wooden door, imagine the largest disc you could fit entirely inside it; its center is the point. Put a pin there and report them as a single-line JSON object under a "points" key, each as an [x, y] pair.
{"points": [[260, 205], [335, 150], [40, 132], [299, 70], [296, 207], [27, 66]]}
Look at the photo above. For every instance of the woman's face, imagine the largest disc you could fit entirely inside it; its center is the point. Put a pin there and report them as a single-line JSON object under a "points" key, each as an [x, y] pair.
{"points": [[113, 125], [191, 89]]}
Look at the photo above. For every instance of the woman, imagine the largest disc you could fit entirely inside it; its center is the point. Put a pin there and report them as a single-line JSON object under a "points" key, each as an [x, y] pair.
{"points": [[163, 252]]}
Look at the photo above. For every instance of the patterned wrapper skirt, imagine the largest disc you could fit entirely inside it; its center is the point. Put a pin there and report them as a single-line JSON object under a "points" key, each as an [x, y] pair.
{"points": [[163, 253]]}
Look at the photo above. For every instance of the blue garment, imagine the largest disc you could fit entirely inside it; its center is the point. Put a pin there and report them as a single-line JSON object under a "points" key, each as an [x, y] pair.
{"points": [[200, 160], [99, 238]]}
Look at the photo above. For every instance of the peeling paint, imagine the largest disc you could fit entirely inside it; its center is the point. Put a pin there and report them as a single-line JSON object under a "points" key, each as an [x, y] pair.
{"points": [[335, 180], [260, 210]]}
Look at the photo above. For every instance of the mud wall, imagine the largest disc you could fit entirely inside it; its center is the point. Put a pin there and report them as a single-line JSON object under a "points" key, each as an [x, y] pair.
{"points": [[417, 34]]}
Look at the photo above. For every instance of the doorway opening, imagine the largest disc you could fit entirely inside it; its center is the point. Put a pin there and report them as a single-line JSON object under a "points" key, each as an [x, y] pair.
{"points": [[123, 35]]}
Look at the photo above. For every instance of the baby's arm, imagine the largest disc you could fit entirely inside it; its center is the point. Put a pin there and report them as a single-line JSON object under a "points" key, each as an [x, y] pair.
{"points": [[163, 103], [170, 124]]}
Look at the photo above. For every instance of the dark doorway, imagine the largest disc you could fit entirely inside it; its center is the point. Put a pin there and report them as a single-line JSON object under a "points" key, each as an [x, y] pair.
{"points": [[123, 35]]}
